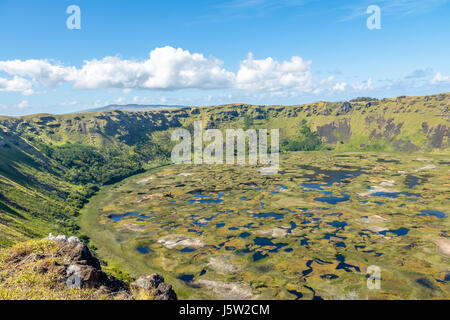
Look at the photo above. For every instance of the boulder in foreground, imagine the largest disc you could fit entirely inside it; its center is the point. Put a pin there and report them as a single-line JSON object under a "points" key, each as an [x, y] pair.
{"points": [[62, 268]]}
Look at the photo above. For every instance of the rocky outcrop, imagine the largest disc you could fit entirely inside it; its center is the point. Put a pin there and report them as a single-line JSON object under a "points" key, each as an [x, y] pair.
{"points": [[82, 270], [335, 131], [345, 108], [153, 286]]}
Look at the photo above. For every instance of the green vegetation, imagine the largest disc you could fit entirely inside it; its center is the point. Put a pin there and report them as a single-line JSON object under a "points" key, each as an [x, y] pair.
{"points": [[89, 166], [248, 122], [306, 140], [34, 198]]}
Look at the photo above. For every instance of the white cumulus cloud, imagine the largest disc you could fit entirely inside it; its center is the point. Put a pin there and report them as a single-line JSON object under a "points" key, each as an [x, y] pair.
{"points": [[169, 69], [166, 69], [40, 71], [16, 84], [269, 75]]}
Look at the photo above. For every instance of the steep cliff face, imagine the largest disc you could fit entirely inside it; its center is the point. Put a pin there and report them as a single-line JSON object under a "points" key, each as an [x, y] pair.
{"points": [[419, 121], [398, 124], [34, 198]]}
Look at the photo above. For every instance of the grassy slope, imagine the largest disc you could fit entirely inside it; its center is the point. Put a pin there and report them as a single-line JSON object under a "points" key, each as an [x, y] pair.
{"points": [[32, 194]]}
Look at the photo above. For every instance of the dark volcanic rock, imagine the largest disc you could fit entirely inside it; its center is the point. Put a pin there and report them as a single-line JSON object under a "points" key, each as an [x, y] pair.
{"points": [[438, 134], [391, 130], [345, 108], [165, 292], [83, 276], [335, 131], [80, 254], [83, 269]]}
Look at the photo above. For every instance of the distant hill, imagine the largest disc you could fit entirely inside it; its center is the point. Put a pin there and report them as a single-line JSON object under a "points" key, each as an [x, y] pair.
{"points": [[134, 107]]}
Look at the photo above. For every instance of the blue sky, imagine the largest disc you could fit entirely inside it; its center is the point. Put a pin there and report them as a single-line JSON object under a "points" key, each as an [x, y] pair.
{"points": [[215, 52]]}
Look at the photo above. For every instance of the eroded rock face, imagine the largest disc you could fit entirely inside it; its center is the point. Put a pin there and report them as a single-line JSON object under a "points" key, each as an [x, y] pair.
{"points": [[337, 130], [83, 270], [82, 276], [149, 282], [80, 254], [153, 285]]}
